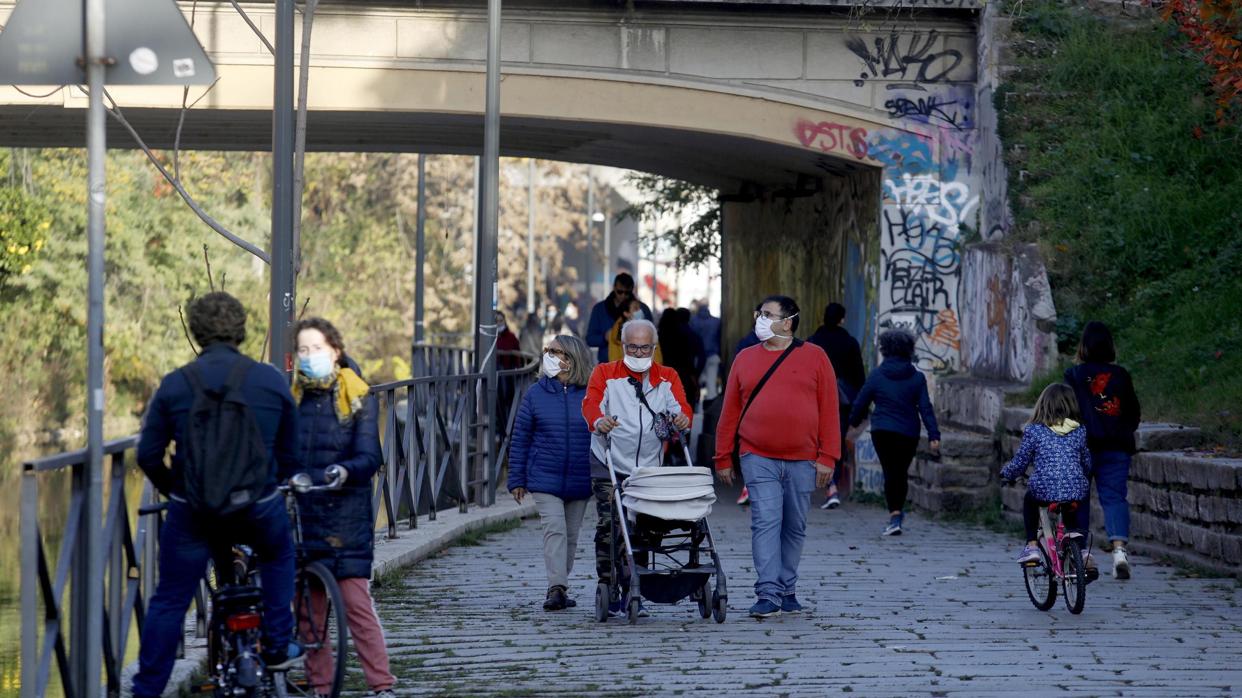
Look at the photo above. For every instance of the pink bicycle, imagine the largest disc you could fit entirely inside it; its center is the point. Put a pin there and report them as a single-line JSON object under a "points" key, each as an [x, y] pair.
{"points": [[1062, 561]]}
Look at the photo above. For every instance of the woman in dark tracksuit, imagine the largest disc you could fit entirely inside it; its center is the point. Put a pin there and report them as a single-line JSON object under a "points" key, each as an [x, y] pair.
{"points": [[339, 442], [899, 392], [549, 458], [1111, 414]]}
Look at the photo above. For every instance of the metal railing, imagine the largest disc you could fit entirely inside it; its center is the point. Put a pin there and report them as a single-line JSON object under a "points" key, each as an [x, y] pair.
{"points": [[435, 447]]}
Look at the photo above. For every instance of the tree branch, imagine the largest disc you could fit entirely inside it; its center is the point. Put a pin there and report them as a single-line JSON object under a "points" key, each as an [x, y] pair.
{"points": [[212, 223], [186, 330], [253, 27]]}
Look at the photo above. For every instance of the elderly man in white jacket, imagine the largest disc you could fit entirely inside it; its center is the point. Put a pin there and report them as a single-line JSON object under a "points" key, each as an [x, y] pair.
{"points": [[624, 401]]}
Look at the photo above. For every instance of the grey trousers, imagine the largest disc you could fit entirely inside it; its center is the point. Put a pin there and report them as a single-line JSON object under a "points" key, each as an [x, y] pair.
{"points": [[561, 521]]}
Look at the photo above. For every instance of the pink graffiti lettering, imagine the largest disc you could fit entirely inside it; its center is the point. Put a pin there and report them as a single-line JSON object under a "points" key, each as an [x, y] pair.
{"points": [[830, 137]]}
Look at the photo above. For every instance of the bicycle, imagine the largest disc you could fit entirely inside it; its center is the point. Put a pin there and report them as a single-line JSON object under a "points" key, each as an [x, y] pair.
{"points": [[234, 642], [1062, 560]]}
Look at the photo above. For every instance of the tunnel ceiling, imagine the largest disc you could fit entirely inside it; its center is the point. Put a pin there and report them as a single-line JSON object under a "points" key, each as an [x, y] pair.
{"points": [[725, 162]]}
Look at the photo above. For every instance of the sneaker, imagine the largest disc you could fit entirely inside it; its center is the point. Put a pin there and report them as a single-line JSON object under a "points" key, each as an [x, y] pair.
{"points": [[570, 603], [614, 608], [283, 661], [642, 610], [832, 502], [556, 599], [744, 498], [894, 526], [1121, 564], [789, 604], [1029, 555], [764, 608]]}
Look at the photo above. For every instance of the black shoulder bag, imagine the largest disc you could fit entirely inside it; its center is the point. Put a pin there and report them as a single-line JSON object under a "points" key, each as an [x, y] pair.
{"points": [[736, 455]]}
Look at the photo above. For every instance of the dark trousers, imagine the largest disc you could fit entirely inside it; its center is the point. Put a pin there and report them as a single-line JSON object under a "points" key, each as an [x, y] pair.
{"points": [[608, 533], [1030, 516], [186, 544], [896, 452]]}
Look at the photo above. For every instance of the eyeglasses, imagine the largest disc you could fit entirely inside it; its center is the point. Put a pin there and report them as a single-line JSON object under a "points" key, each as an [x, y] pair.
{"points": [[771, 316], [638, 349], [558, 353]]}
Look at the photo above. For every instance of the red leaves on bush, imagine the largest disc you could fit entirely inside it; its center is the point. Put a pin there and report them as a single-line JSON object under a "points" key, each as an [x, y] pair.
{"points": [[1213, 28]]}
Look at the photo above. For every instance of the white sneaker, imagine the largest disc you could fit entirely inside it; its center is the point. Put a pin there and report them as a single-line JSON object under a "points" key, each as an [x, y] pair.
{"points": [[1121, 564], [832, 502]]}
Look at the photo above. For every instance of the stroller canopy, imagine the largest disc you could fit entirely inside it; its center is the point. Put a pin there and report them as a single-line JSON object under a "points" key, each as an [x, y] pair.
{"points": [[672, 494]]}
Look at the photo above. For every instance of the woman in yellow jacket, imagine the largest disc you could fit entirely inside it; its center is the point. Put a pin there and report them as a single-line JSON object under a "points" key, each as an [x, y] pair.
{"points": [[615, 352]]}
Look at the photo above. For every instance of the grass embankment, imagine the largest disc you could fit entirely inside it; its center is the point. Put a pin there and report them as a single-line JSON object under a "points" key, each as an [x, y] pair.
{"points": [[1135, 196]]}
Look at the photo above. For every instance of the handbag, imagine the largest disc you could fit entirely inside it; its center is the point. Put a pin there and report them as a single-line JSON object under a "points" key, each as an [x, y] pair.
{"points": [[735, 456]]}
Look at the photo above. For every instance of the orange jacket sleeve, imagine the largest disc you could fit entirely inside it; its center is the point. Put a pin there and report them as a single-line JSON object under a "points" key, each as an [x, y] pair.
{"points": [[592, 408]]}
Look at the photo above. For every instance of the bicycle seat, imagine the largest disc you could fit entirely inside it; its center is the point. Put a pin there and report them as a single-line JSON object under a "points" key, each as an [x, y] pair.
{"points": [[1063, 506]]}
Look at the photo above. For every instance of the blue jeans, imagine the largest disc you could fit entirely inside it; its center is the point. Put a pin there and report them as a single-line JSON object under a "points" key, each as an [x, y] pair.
{"points": [[1111, 472], [780, 494], [186, 543]]}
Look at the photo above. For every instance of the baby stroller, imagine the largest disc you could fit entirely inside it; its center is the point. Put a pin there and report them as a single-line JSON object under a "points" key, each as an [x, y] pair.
{"points": [[662, 516]]}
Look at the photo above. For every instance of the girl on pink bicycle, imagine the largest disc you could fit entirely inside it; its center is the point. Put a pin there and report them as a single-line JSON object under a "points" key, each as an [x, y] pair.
{"points": [[1056, 444]]}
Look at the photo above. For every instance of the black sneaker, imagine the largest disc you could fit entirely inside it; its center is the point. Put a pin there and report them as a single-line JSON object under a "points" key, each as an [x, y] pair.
{"points": [[556, 599], [283, 661]]}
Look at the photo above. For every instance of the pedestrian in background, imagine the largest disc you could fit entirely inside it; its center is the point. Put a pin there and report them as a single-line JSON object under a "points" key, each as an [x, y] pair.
{"points": [[681, 350], [1111, 413], [900, 395], [530, 340], [549, 458], [780, 420], [846, 357], [605, 313], [707, 327], [338, 443], [633, 311]]}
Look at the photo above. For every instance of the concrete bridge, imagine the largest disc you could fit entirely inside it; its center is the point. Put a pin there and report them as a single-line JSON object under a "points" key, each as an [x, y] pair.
{"points": [[856, 152]]}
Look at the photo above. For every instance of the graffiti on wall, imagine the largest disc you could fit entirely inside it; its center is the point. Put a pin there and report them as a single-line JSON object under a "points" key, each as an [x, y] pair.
{"points": [[933, 110], [831, 137], [916, 59], [924, 216]]}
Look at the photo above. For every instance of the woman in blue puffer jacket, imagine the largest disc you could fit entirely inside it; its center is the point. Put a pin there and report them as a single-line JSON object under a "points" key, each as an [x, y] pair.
{"points": [[338, 442], [549, 458]]}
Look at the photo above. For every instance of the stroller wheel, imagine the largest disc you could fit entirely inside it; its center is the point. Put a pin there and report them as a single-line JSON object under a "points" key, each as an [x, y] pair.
{"points": [[705, 601], [601, 603], [720, 607], [632, 611]]}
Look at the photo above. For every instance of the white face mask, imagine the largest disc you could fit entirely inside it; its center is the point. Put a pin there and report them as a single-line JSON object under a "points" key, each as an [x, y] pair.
{"points": [[551, 366], [636, 364], [763, 328]]}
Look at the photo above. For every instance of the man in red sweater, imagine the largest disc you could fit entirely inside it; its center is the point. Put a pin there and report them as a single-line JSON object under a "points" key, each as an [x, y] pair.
{"points": [[789, 441]]}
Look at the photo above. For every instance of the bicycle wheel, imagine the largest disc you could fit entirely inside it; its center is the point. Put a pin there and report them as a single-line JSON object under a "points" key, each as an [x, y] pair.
{"points": [[1041, 583], [1074, 579], [319, 612]]}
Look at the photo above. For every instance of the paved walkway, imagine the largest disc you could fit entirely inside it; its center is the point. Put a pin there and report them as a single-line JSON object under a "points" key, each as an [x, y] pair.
{"points": [[938, 611]]}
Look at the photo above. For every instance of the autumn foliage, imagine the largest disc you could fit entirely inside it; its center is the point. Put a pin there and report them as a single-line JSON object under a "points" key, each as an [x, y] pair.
{"points": [[1214, 30]]}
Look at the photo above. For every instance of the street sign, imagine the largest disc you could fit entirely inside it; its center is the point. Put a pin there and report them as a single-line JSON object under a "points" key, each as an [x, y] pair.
{"points": [[148, 41]]}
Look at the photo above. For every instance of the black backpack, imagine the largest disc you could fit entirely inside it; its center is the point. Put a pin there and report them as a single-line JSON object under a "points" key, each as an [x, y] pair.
{"points": [[226, 465]]}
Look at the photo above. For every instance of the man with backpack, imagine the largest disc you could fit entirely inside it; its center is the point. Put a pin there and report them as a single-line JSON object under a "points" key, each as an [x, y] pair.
{"points": [[234, 423]]}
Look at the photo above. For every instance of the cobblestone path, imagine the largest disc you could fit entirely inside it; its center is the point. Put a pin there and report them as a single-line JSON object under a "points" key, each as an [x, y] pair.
{"points": [[940, 610]]}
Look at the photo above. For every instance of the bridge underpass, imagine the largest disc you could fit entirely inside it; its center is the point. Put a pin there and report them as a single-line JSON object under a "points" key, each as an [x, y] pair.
{"points": [[867, 149]]}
